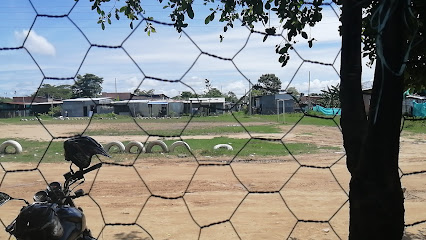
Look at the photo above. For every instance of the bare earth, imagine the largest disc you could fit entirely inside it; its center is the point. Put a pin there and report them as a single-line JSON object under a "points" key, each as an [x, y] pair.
{"points": [[177, 198]]}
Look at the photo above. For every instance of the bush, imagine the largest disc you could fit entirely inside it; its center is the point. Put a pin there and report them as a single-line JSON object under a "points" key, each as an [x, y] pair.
{"points": [[55, 111]]}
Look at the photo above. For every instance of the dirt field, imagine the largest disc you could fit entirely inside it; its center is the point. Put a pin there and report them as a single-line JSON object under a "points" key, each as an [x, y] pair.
{"points": [[176, 198]]}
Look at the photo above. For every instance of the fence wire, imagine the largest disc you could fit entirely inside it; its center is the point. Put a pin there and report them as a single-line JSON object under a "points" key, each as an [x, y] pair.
{"points": [[229, 165]]}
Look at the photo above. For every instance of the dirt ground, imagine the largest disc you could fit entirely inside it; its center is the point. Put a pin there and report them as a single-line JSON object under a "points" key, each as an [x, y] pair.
{"points": [[177, 198]]}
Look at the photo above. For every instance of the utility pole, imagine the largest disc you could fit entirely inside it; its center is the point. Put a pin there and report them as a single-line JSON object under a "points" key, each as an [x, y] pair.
{"points": [[250, 104], [309, 88]]}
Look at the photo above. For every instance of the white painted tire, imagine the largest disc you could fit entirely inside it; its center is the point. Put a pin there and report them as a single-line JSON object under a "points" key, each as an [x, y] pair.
{"points": [[159, 143], [117, 144], [137, 144], [177, 144], [12, 143], [227, 146]]}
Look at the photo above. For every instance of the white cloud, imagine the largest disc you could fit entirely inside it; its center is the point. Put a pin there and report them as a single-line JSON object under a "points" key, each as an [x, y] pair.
{"points": [[238, 87], [36, 43], [315, 85]]}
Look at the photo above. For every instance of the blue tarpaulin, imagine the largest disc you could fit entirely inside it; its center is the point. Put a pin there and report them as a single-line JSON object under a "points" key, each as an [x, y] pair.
{"points": [[327, 111], [419, 109]]}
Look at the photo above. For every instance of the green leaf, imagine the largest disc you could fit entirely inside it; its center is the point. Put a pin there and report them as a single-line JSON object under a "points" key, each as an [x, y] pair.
{"points": [[131, 25], [304, 35], [267, 6], [310, 43], [103, 26], [123, 8], [207, 20], [109, 20], [190, 12]]}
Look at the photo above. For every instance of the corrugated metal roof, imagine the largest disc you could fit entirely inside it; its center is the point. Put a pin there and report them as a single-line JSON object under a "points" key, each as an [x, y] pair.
{"points": [[85, 99]]}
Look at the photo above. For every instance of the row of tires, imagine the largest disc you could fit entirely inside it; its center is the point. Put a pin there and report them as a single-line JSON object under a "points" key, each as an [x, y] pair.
{"points": [[148, 148], [121, 148]]}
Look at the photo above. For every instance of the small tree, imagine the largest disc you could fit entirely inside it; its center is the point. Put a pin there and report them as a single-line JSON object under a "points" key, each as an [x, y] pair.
{"points": [[293, 92], [268, 84], [55, 111], [186, 95], [213, 93], [53, 91], [231, 97], [330, 97], [88, 85]]}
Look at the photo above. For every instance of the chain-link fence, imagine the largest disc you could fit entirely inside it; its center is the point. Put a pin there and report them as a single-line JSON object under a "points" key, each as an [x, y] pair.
{"points": [[279, 176]]}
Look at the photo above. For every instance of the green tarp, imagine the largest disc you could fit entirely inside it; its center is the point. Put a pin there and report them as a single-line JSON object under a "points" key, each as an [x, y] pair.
{"points": [[327, 111], [419, 109]]}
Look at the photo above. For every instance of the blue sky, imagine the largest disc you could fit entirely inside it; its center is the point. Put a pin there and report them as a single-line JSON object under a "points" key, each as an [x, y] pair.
{"points": [[61, 48]]}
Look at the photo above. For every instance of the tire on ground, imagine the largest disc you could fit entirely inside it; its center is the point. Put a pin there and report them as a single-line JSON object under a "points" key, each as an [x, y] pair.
{"points": [[177, 144], [159, 143], [12, 143], [227, 146], [117, 144], [137, 144]]}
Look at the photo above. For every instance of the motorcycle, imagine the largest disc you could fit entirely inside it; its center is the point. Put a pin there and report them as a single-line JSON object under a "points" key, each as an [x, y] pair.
{"points": [[53, 214]]}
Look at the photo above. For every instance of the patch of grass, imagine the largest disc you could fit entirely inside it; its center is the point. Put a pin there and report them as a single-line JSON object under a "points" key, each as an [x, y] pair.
{"points": [[34, 151], [191, 131], [204, 147], [418, 126]]}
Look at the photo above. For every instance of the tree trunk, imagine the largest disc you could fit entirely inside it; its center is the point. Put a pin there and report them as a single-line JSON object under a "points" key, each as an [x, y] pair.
{"points": [[372, 146]]}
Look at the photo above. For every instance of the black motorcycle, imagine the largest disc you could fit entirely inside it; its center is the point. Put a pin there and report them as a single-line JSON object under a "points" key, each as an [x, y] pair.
{"points": [[53, 215]]}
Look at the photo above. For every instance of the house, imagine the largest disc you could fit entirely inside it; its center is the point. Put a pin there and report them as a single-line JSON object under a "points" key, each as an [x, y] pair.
{"points": [[27, 106], [273, 104], [147, 108], [86, 107], [14, 109], [204, 106], [131, 107], [44, 107]]}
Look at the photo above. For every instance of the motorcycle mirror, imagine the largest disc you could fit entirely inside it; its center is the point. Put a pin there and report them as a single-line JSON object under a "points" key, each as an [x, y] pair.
{"points": [[4, 197]]}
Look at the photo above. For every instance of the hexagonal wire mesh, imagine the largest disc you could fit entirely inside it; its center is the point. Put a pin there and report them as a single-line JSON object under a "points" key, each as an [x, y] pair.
{"points": [[239, 197]]}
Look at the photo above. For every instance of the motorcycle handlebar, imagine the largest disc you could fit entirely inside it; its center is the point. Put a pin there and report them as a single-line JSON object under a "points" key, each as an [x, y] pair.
{"points": [[79, 174]]}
